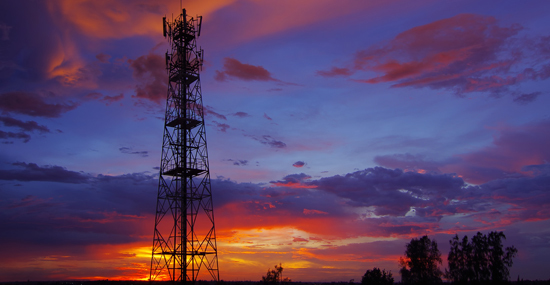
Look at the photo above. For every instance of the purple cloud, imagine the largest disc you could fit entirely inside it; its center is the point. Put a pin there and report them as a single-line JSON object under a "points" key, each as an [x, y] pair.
{"points": [[32, 104], [33, 172], [150, 70], [128, 150], [241, 115], [28, 126], [268, 140], [299, 164]]}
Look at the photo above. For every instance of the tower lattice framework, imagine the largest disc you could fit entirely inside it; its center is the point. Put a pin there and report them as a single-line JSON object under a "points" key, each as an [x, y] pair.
{"points": [[184, 240]]}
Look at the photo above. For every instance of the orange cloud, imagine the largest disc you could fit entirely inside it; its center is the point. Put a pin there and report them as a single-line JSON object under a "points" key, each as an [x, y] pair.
{"points": [[116, 19]]}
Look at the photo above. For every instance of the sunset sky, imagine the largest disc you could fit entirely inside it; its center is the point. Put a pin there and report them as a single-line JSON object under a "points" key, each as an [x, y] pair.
{"points": [[337, 131]]}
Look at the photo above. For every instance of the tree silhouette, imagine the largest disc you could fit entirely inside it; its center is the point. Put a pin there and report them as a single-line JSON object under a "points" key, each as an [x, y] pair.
{"points": [[274, 276], [420, 265], [377, 277], [481, 261]]}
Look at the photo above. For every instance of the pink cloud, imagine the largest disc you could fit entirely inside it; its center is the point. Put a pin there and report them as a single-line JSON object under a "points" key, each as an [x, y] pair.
{"points": [[314, 212], [233, 68], [150, 70], [465, 53]]}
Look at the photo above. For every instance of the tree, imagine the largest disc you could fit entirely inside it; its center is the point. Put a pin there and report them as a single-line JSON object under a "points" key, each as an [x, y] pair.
{"points": [[420, 265], [377, 277], [481, 261], [460, 261], [274, 276]]}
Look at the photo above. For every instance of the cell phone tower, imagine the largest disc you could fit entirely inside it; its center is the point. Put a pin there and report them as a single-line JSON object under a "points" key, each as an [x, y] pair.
{"points": [[184, 240]]}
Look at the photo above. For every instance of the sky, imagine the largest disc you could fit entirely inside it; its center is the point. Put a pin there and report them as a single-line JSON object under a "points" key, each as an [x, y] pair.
{"points": [[337, 132]]}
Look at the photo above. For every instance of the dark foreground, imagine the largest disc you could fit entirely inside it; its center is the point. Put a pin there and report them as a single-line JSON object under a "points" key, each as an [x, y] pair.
{"points": [[111, 282]]}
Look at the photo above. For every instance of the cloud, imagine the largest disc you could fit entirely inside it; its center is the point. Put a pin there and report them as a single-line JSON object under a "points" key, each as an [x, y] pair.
{"points": [[335, 71], [268, 140], [103, 58], [128, 150], [267, 117], [294, 181], [210, 111], [10, 135], [299, 164], [299, 239], [233, 68], [392, 191], [241, 115], [111, 99], [512, 149], [221, 126], [314, 212], [32, 104], [28, 126], [409, 162], [238, 162], [110, 214], [150, 70], [465, 53], [51, 173], [526, 98]]}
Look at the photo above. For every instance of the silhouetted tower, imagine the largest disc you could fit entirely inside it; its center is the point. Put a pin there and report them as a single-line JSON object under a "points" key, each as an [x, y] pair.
{"points": [[184, 239]]}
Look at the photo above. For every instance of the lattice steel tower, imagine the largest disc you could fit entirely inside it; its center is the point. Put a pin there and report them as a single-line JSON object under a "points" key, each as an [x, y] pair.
{"points": [[184, 239]]}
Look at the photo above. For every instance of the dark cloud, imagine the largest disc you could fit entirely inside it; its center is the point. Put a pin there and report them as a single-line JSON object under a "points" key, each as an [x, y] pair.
{"points": [[299, 239], [128, 150], [104, 58], [12, 135], [267, 117], [210, 111], [221, 127], [52, 173], [526, 98], [293, 180], [238, 162], [233, 68], [32, 104], [540, 169], [112, 209], [299, 164], [93, 96], [28, 126], [99, 210], [392, 191], [111, 99], [241, 115], [150, 71], [268, 140]]}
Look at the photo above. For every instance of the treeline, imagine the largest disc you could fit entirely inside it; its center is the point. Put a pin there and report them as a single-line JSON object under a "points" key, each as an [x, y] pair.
{"points": [[479, 261]]}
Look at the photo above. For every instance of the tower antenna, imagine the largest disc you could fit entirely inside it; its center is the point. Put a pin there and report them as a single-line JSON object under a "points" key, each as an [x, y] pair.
{"points": [[184, 240]]}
